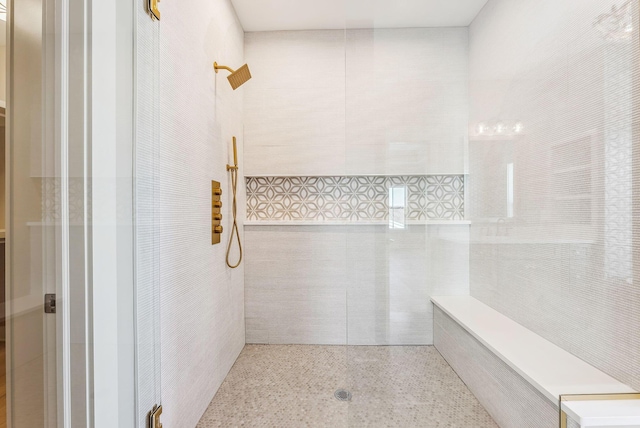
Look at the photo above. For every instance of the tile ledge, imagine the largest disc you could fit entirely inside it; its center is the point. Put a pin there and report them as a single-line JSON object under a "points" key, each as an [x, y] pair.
{"points": [[353, 223], [354, 175]]}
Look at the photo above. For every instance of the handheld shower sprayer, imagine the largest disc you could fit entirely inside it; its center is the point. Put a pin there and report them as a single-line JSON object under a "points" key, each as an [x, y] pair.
{"points": [[234, 208], [235, 156]]}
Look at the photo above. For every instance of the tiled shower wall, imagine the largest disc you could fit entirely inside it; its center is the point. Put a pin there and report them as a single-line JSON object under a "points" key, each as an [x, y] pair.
{"points": [[350, 284], [183, 145], [561, 260], [335, 119], [357, 102]]}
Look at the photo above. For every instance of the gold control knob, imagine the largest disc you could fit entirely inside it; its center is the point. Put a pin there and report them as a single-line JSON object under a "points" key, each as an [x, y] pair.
{"points": [[217, 229], [217, 191], [217, 204], [217, 217]]}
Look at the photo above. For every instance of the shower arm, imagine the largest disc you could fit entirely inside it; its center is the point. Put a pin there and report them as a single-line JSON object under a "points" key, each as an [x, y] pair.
{"points": [[217, 67]]}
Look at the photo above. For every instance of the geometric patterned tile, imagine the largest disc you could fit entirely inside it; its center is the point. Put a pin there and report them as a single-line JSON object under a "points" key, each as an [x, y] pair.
{"points": [[353, 199]]}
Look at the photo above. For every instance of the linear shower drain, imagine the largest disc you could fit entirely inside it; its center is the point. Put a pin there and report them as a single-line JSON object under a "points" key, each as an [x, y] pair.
{"points": [[343, 395]]}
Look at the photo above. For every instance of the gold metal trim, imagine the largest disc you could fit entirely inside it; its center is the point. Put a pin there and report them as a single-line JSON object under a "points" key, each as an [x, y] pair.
{"points": [[592, 397]]}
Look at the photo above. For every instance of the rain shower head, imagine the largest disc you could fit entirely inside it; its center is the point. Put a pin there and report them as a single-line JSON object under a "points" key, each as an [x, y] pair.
{"points": [[237, 77]]}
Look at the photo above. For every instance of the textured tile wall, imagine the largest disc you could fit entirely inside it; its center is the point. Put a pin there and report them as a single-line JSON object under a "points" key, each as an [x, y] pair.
{"points": [[353, 198], [509, 399], [563, 264], [201, 327], [406, 101], [295, 108], [328, 108], [358, 285], [357, 102]]}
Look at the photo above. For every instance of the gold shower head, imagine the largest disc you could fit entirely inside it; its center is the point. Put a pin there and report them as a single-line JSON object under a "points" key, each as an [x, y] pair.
{"points": [[237, 77]]}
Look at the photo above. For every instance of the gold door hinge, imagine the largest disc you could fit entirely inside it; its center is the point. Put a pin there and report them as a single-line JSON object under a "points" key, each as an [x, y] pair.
{"points": [[153, 9], [154, 420]]}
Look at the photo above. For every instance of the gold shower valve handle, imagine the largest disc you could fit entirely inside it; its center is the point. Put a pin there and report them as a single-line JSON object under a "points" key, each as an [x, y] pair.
{"points": [[216, 215]]}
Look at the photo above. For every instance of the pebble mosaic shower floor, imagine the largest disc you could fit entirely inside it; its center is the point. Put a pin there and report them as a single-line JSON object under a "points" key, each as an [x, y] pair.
{"points": [[392, 386]]}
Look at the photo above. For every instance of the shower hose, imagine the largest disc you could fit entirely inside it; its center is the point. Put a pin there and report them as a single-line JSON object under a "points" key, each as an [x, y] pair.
{"points": [[234, 209]]}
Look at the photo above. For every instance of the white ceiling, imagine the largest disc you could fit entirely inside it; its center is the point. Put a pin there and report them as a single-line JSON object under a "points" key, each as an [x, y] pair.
{"points": [[275, 15]]}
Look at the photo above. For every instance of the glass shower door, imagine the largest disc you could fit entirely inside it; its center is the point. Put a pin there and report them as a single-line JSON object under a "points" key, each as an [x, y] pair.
{"points": [[406, 124], [69, 309]]}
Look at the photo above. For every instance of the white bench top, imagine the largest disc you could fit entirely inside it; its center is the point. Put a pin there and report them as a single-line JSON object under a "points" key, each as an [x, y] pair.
{"points": [[549, 368], [623, 413]]}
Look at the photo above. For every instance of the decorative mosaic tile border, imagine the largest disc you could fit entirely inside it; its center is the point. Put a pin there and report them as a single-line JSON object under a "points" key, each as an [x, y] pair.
{"points": [[353, 199]]}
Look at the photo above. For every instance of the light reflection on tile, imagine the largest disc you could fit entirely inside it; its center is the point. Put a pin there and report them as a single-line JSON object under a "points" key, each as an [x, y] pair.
{"points": [[562, 264]]}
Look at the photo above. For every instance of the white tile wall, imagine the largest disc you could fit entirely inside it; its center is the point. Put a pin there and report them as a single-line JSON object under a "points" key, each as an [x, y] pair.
{"points": [[201, 301], [406, 101], [562, 266], [295, 106], [357, 285], [357, 102]]}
